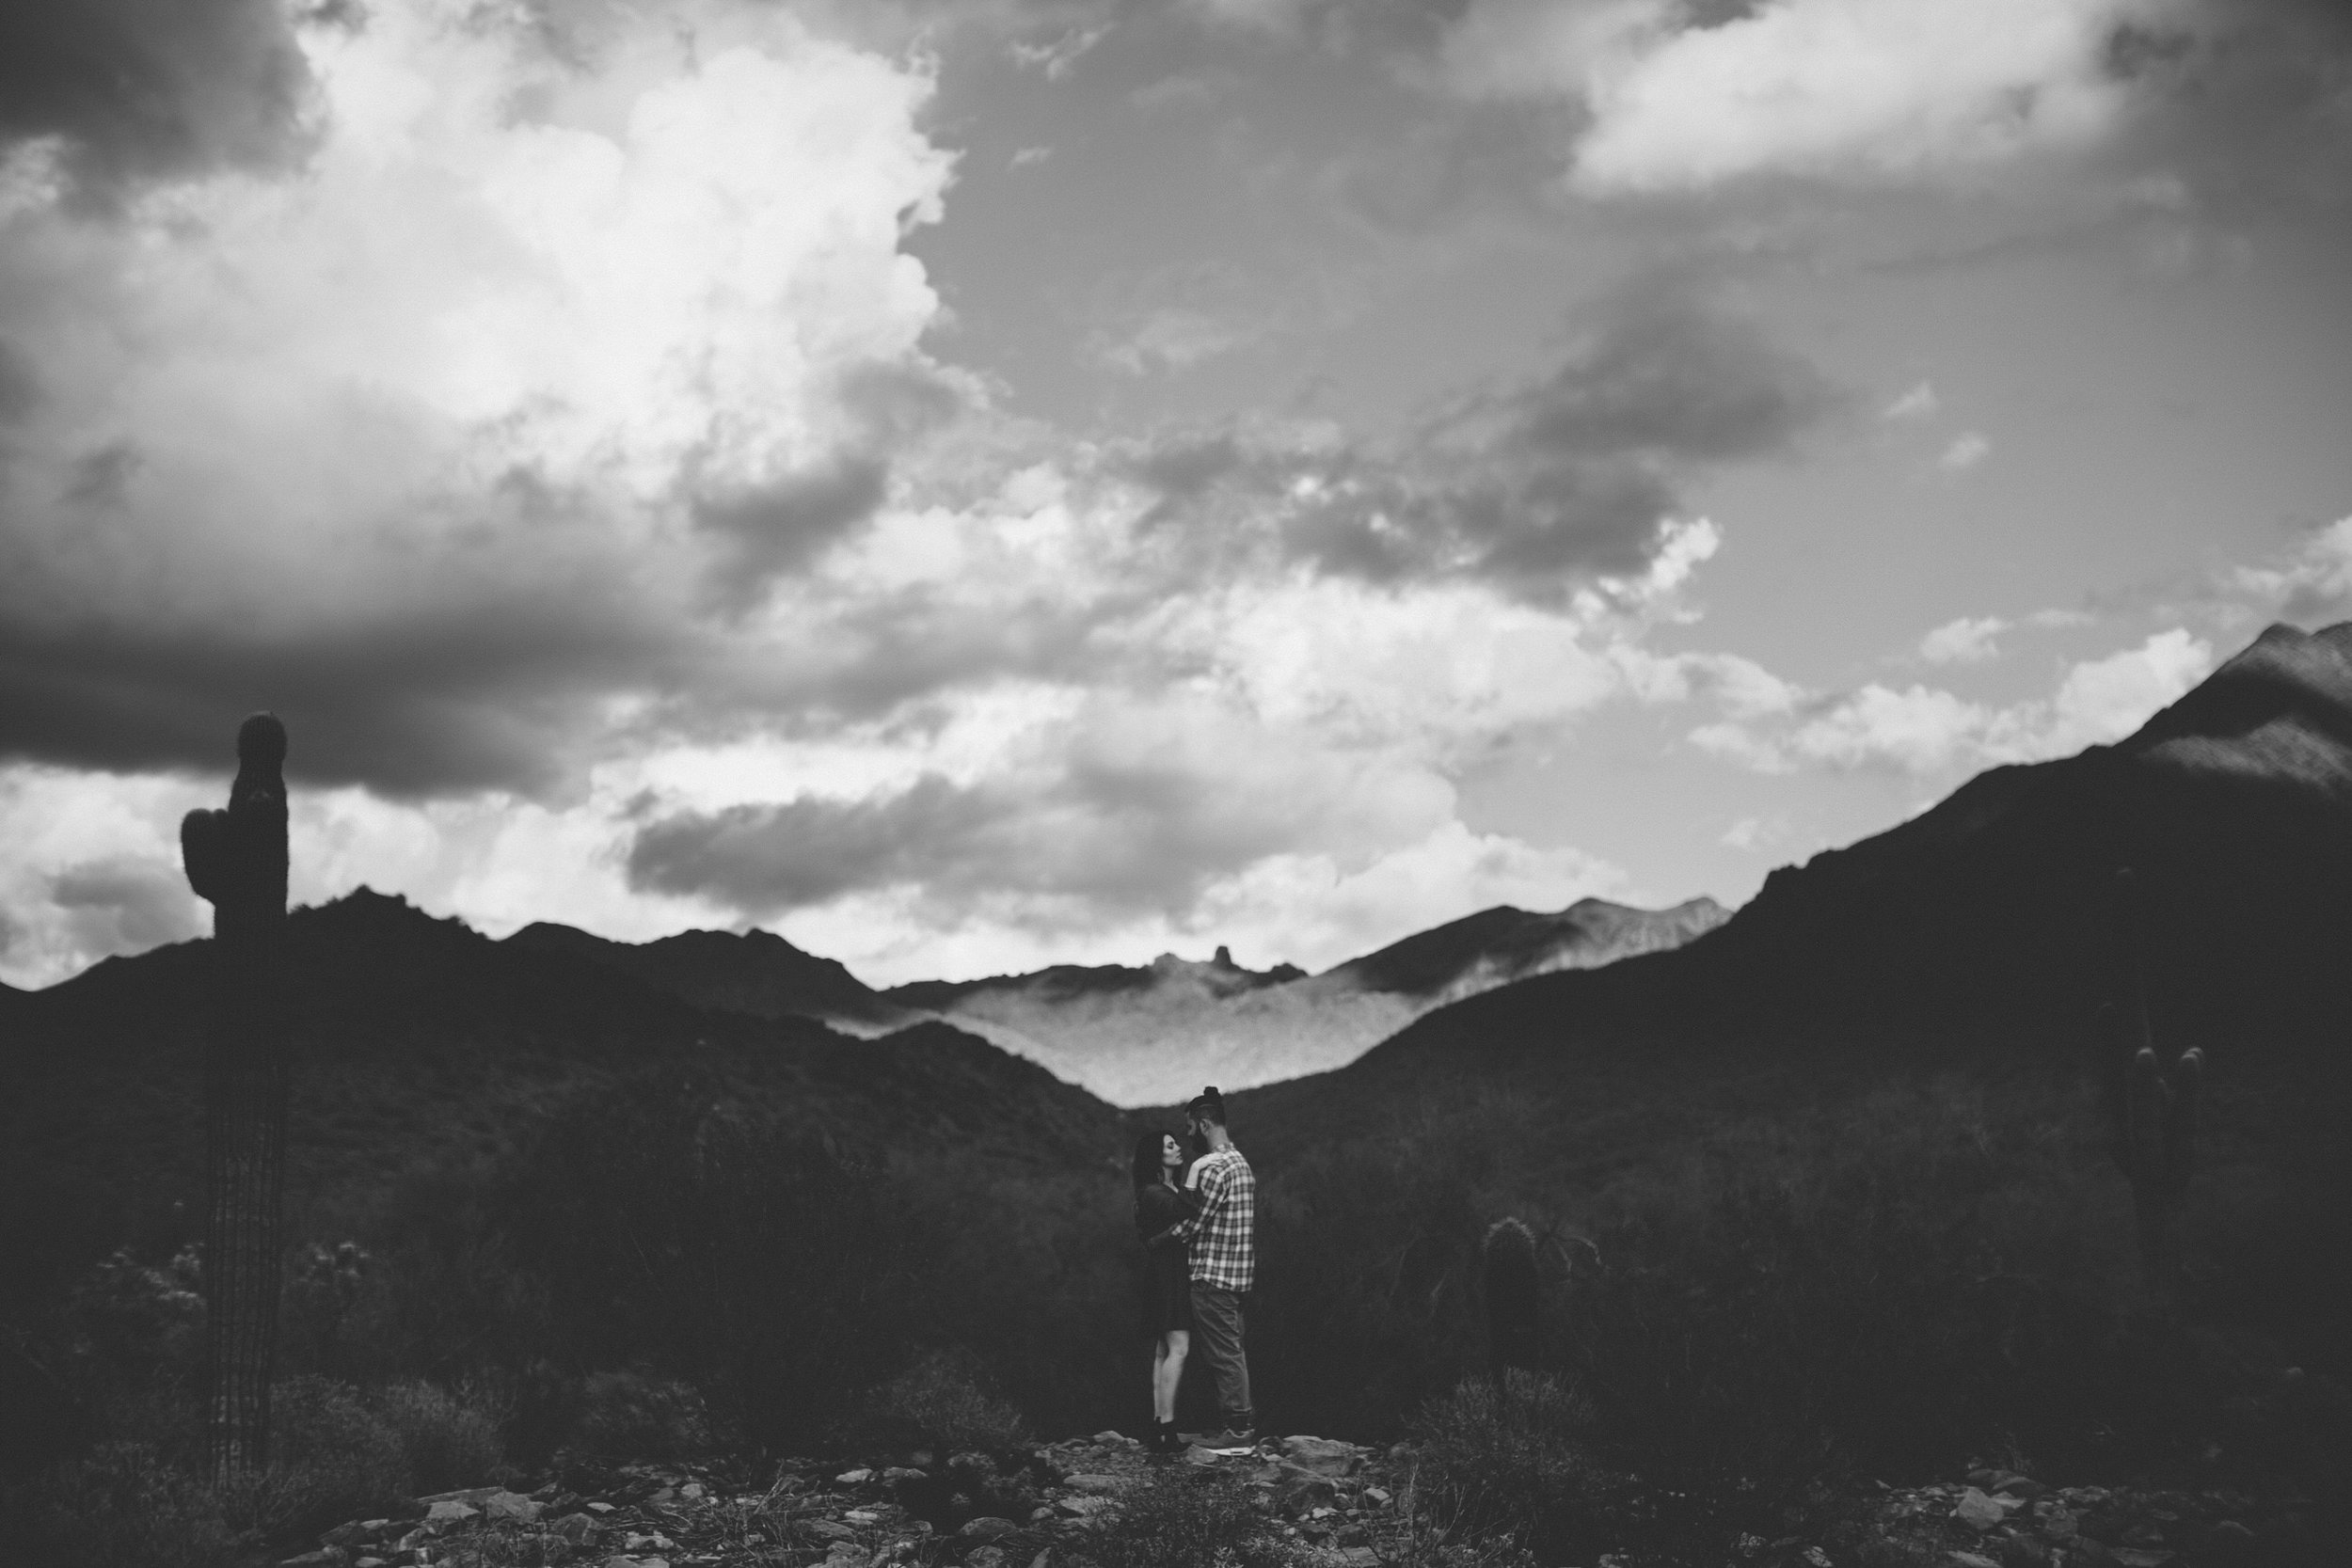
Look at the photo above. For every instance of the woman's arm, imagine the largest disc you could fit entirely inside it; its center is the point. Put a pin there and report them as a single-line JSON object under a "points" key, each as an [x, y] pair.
{"points": [[1210, 1195]]}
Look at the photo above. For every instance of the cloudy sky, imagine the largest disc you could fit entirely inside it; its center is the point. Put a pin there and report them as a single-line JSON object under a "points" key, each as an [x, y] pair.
{"points": [[973, 484]]}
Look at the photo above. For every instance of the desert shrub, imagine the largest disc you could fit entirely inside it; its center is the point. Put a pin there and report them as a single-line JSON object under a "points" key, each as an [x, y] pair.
{"points": [[123, 1506], [331, 1458], [1516, 1468], [448, 1438], [1189, 1519], [941, 1402], [634, 1415], [776, 1274]]}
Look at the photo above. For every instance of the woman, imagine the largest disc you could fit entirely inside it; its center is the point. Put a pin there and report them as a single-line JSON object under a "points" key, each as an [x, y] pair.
{"points": [[1161, 1202]]}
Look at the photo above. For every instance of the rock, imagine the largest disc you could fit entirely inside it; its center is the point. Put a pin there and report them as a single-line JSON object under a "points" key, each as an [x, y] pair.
{"points": [[326, 1556], [826, 1529], [1199, 1455], [1979, 1511], [1100, 1485], [2142, 1556], [1083, 1507], [576, 1527], [844, 1553], [988, 1526], [1378, 1495], [1323, 1455], [346, 1534], [1359, 1557], [899, 1473], [985, 1557], [2021, 1486], [2234, 1532], [1974, 1560], [1304, 1493], [2059, 1524], [467, 1494], [597, 1508], [853, 1478], [449, 1514], [511, 1508]]}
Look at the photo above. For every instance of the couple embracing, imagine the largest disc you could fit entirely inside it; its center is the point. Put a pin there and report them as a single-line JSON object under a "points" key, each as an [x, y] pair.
{"points": [[1198, 1218]]}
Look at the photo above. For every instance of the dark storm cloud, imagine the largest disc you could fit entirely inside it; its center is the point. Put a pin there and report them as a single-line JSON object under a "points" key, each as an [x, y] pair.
{"points": [[1116, 836], [485, 694], [2252, 104], [764, 858], [780, 528], [1532, 487], [126, 906], [142, 88], [20, 389]]}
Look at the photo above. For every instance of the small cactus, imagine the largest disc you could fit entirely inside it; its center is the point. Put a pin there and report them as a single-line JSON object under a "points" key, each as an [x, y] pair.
{"points": [[2156, 1147], [1510, 1284], [2156, 1141]]}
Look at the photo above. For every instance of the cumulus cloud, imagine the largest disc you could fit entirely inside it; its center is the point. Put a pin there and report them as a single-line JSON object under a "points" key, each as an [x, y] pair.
{"points": [[1304, 720], [1926, 730], [1531, 487], [1916, 404], [2311, 583], [132, 90], [1967, 450], [1056, 55], [1965, 641], [1682, 96], [120, 904], [448, 445]]}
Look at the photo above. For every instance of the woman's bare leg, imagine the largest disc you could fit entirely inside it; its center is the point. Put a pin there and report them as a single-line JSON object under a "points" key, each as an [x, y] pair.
{"points": [[1168, 1371]]}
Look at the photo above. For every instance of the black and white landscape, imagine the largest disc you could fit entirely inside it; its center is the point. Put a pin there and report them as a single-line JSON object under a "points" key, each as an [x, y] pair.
{"points": [[671, 672]]}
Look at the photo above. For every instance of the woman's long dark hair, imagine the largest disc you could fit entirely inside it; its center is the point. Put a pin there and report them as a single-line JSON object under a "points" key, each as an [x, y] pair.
{"points": [[1147, 1166]]}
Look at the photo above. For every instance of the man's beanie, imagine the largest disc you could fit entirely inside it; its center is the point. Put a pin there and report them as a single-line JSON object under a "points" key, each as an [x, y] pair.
{"points": [[1208, 1102]]}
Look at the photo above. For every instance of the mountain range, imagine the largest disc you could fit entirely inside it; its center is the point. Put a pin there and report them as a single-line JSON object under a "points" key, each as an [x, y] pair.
{"points": [[1137, 1034], [1993, 917]]}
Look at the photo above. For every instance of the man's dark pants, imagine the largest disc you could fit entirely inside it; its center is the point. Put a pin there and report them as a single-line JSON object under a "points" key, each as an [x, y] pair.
{"points": [[1216, 1329]]}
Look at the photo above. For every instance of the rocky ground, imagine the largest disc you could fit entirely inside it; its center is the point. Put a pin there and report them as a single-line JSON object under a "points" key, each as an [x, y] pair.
{"points": [[1344, 1505]]}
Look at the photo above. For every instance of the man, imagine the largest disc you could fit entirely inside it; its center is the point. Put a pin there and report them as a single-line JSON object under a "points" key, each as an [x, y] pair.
{"points": [[1223, 1253]]}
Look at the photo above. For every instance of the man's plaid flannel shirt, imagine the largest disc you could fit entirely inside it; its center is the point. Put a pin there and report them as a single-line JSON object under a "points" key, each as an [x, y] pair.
{"points": [[1223, 1236]]}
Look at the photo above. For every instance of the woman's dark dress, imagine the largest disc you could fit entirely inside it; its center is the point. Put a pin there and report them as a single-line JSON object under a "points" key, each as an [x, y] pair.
{"points": [[1168, 1268]]}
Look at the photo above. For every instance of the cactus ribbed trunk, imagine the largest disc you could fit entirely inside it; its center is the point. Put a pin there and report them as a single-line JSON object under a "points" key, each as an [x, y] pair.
{"points": [[236, 858], [1509, 1282], [2155, 1135]]}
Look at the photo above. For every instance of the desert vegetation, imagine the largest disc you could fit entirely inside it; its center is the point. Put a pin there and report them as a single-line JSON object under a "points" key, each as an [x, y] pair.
{"points": [[1850, 1278]]}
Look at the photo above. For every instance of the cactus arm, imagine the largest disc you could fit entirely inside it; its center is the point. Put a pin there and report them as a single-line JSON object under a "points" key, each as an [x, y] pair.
{"points": [[2180, 1124], [204, 853]]}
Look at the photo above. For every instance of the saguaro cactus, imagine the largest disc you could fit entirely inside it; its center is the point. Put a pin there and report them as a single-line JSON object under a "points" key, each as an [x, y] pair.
{"points": [[236, 861], [1508, 1281], [2155, 1113], [2155, 1144]]}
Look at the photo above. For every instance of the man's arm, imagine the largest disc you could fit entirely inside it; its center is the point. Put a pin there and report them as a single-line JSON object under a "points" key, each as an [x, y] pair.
{"points": [[1212, 1201], [1190, 1201]]}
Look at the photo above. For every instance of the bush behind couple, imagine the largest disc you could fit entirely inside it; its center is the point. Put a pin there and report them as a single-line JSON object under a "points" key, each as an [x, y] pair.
{"points": [[1198, 1218]]}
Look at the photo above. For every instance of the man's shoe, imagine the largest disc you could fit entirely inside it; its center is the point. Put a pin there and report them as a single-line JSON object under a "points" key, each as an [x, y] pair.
{"points": [[1228, 1440]]}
